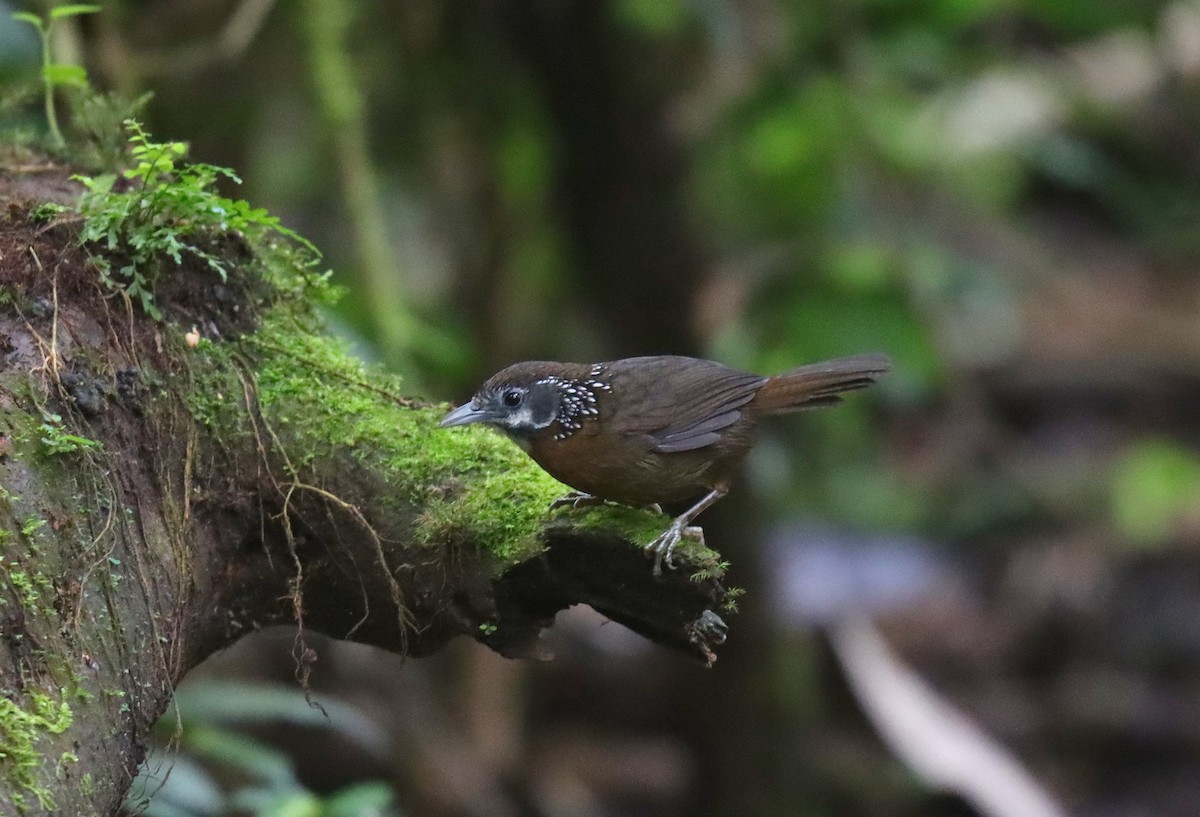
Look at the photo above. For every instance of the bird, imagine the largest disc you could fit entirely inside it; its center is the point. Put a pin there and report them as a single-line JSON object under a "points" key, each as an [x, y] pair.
{"points": [[647, 431]]}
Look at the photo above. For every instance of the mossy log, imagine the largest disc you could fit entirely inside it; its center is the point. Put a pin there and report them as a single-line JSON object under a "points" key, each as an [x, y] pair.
{"points": [[169, 486]]}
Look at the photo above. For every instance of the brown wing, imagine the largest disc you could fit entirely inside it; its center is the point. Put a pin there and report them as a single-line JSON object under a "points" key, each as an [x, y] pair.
{"points": [[683, 403]]}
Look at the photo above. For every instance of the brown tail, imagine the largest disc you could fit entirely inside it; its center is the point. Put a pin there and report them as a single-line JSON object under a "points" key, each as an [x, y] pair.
{"points": [[819, 384]]}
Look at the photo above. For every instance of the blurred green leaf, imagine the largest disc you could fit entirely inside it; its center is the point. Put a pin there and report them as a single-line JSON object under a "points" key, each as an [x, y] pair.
{"points": [[61, 73], [26, 17], [809, 324], [993, 180], [861, 266], [655, 17], [779, 167], [241, 703], [869, 496], [952, 13], [247, 755], [523, 157], [360, 800], [1154, 486], [58, 12], [177, 786], [1072, 19], [273, 802]]}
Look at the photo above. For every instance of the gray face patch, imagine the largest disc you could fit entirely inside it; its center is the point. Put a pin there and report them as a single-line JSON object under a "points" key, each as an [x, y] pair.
{"points": [[536, 408]]}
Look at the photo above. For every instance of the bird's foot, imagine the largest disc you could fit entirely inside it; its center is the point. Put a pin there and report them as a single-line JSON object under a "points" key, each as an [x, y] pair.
{"points": [[576, 500], [663, 547], [579, 499]]}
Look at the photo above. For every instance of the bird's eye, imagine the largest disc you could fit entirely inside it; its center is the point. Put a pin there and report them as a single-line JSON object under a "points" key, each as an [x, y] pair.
{"points": [[511, 398]]}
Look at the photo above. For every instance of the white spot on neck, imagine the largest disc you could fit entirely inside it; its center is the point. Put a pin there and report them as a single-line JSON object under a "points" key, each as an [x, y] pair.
{"points": [[522, 419]]}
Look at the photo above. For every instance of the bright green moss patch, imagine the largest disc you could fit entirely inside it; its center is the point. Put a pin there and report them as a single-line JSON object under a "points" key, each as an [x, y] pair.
{"points": [[636, 524], [215, 396], [23, 571], [20, 730], [506, 509], [323, 404], [642, 527]]}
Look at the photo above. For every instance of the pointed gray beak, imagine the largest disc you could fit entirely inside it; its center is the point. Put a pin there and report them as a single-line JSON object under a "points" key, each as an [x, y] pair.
{"points": [[466, 413]]}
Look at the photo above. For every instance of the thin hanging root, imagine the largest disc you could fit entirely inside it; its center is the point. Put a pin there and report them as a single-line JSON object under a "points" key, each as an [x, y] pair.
{"points": [[404, 618], [50, 359]]}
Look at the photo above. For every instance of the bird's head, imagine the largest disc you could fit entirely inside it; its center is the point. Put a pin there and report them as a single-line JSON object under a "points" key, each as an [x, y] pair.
{"points": [[528, 397]]}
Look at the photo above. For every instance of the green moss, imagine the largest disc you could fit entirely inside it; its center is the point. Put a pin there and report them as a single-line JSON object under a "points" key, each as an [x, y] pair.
{"points": [[636, 524], [643, 526], [215, 398], [471, 483], [64, 760], [20, 730], [323, 404], [506, 508], [33, 588]]}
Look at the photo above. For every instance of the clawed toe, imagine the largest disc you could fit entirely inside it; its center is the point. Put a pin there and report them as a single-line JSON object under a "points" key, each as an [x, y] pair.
{"points": [[576, 500], [663, 548], [579, 499]]}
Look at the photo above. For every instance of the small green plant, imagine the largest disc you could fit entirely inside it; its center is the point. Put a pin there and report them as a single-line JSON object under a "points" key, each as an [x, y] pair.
{"points": [[32, 525], [45, 212], [56, 440], [164, 207], [710, 569], [56, 75], [730, 604], [24, 588]]}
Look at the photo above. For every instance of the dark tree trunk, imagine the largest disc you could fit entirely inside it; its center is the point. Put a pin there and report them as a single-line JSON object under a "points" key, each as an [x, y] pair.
{"points": [[621, 176]]}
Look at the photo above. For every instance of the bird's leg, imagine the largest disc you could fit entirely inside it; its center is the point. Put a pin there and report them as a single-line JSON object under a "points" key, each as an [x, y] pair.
{"points": [[664, 546]]}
